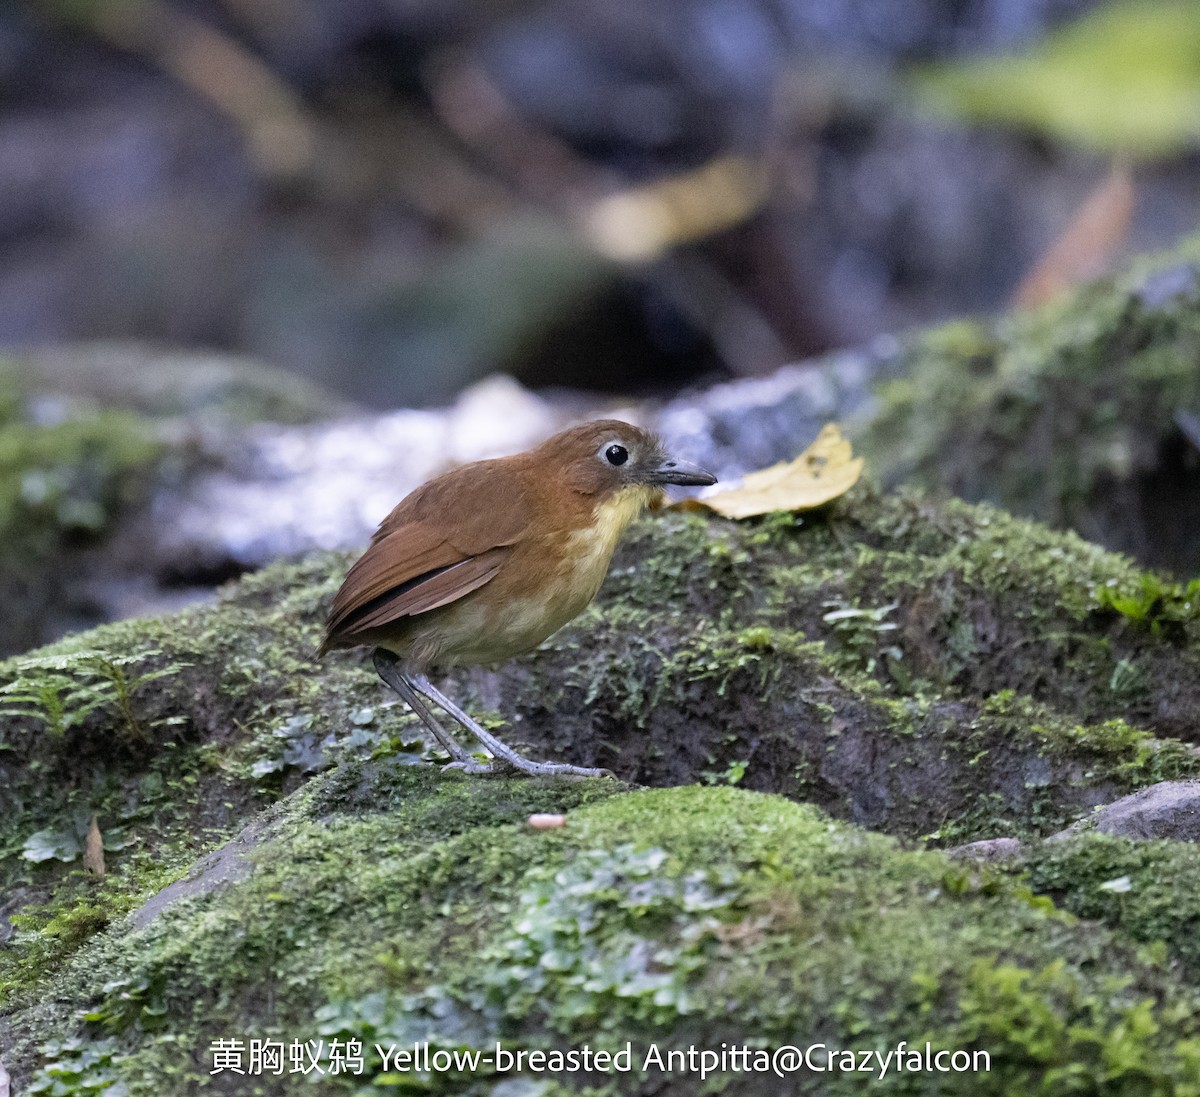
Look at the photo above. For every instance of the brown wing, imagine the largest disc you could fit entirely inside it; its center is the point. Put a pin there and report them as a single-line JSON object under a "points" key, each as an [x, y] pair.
{"points": [[475, 507], [376, 595], [446, 539]]}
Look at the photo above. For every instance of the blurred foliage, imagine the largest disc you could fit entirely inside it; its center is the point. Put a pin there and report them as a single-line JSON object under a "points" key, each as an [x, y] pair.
{"points": [[396, 199], [67, 480], [1125, 78]]}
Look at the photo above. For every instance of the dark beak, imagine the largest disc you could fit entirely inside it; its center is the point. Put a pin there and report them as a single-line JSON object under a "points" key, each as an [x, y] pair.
{"points": [[683, 473]]}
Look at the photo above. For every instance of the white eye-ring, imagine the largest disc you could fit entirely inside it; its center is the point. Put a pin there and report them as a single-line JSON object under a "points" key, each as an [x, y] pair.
{"points": [[614, 453]]}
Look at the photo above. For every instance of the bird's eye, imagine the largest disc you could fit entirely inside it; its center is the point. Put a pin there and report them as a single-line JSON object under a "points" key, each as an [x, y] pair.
{"points": [[616, 455]]}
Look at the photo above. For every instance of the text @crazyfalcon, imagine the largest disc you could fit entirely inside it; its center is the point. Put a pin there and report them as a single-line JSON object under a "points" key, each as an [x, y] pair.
{"points": [[782, 1061]]}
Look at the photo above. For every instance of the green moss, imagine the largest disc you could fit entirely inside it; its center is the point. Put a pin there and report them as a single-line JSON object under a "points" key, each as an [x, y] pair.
{"points": [[153, 829], [66, 480], [996, 703], [1148, 891], [45, 937], [1025, 754], [62, 487], [686, 916], [975, 653], [88, 434], [1065, 414], [1010, 697]]}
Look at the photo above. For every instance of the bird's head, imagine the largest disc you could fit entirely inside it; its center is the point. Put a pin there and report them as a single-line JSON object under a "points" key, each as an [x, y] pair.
{"points": [[608, 456]]}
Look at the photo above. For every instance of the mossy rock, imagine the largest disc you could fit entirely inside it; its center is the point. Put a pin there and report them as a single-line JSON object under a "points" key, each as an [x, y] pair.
{"points": [[88, 434], [938, 671], [162, 383], [1148, 890], [659, 919], [1073, 414], [63, 486]]}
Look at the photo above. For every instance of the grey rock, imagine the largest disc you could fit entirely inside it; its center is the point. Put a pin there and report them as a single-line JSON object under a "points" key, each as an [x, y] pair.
{"points": [[1170, 809], [281, 490], [278, 490], [736, 427], [223, 866], [1160, 287], [240, 494], [205, 388]]}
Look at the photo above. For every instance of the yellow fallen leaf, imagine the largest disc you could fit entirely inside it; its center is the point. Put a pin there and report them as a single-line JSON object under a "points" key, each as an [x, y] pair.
{"points": [[93, 849], [822, 472]]}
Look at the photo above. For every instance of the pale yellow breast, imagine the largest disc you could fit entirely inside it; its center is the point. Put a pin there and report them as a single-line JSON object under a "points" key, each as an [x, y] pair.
{"points": [[480, 631], [590, 549]]}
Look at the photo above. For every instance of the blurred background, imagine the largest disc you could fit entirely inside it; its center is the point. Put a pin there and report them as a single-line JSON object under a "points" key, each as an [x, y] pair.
{"points": [[394, 198]]}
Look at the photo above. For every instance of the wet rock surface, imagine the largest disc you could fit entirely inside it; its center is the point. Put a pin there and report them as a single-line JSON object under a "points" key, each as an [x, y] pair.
{"points": [[988, 851], [220, 869]]}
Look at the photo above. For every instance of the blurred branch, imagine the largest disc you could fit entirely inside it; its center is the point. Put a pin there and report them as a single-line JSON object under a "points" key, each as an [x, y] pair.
{"points": [[535, 162], [416, 158], [269, 115], [628, 224], [273, 19], [641, 223], [1085, 248], [399, 151]]}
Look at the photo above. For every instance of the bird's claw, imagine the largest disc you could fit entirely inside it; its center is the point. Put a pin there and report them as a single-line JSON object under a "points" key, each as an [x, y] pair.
{"points": [[498, 767], [557, 769], [479, 769]]}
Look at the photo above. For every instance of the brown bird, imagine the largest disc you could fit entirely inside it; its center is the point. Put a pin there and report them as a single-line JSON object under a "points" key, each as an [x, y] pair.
{"points": [[486, 561]]}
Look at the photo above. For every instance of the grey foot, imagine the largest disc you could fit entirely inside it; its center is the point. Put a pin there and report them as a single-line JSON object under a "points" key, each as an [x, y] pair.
{"points": [[418, 692], [507, 767], [504, 758]]}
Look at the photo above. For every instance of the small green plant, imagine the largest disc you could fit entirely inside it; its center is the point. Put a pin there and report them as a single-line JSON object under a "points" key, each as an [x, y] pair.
{"points": [[613, 927], [63, 690], [862, 632], [79, 1066], [65, 841], [1157, 604], [1090, 1040], [128, 1002], [46, 935], [730, 775], [1129, 679]]}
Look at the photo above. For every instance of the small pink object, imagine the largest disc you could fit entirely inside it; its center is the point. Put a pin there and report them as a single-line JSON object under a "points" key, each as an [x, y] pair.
{"points": [[545, 822]]}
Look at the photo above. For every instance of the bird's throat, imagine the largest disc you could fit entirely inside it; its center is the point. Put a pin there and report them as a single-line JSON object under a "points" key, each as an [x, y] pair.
{"points": [[613, 515], [590, 548]]}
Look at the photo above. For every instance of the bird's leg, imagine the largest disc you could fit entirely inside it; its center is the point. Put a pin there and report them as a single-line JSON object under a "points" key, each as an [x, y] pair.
{"points": [[386, 665], [504, 754]]}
